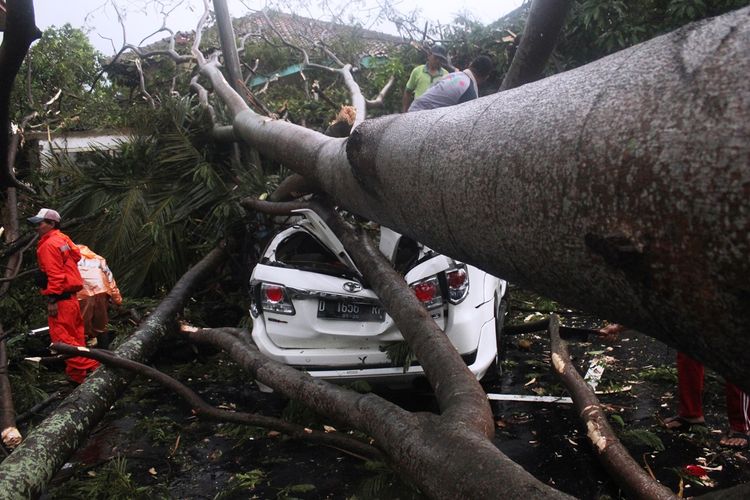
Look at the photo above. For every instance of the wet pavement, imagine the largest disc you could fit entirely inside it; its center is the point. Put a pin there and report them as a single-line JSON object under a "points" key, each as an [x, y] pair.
{"points": [[171, 454]]}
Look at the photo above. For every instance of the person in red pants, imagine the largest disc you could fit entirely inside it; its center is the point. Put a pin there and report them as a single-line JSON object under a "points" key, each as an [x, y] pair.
{"points": [[690, 391], [59, 279], [690, 412]]}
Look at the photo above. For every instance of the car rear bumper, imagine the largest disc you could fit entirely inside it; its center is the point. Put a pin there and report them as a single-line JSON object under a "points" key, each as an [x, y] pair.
{"points": [[351, 364]]}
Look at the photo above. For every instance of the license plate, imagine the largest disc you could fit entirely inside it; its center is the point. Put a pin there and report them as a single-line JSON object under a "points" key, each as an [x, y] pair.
{"points": [[354, 311]]}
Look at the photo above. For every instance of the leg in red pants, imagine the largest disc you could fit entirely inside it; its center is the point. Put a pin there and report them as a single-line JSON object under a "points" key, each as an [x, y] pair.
{"points": [[738, 409], [67, 327], [690, 387]]}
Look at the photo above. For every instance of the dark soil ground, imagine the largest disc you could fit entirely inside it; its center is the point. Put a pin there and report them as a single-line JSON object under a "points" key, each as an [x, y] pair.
{"points": [[549, 441], [149, 445]]}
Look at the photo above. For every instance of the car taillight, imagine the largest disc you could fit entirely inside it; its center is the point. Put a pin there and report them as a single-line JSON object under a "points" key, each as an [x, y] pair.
{"points": [[273, 298], [428, 292], [458, 284], [274, 293]]}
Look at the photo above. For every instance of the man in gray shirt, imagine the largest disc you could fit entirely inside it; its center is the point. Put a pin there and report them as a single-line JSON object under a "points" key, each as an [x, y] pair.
{"points": [[455, 88]]}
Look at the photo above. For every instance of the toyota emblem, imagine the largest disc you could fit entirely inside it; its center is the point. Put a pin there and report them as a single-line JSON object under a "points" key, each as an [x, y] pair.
{"points": [[352, 286]]}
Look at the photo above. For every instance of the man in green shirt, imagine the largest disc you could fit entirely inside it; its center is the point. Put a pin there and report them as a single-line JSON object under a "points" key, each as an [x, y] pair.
{"points": [[425, 75]]}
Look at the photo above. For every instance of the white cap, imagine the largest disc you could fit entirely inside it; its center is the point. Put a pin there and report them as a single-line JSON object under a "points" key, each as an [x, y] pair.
{"points": [[45, 214]]}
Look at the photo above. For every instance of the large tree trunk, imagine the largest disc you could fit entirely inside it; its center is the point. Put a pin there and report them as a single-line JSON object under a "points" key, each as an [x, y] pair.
{"points": [[636, 167], [228, 44], [20, 31], [29, 468], [546, 19]]}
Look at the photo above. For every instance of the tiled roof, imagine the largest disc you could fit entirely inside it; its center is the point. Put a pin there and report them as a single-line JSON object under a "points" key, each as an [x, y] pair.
{"points": [[304, 32]]}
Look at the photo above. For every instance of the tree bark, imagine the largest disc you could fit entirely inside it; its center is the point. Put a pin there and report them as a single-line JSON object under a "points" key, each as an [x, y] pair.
{"points": [[597, 159], [20, 31], [228, 45], [10, 435], [27, 470], [543, 26]]}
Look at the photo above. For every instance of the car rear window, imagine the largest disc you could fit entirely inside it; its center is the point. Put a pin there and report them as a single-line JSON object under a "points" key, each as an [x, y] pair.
{"points": [[302, 251]]}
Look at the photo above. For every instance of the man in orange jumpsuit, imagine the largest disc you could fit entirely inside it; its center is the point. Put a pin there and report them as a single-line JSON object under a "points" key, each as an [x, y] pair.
{"points": [[57, 256]]}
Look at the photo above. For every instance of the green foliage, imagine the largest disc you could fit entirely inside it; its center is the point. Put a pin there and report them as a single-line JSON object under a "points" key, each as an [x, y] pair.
{"points": [[112, 481], [291, 96], [385, 483], [508, 364], [400, 354], [241, 434], [360, 386], [662, 374], [618, 420], [64, 60], [299, 413], [25, 381], [159, 430], [467, 39], [243, 482], [22, 310], [641, 437], [526, 301], [288, 492], [161, 200], [597, 28], [379, 76]]}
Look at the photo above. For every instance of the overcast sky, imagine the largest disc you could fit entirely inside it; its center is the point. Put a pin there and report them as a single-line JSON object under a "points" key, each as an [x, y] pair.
{"points": [[142, 17]]}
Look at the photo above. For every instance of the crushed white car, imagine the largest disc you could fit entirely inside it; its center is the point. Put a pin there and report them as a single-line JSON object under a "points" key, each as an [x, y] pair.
{"points": [[312, 310]]}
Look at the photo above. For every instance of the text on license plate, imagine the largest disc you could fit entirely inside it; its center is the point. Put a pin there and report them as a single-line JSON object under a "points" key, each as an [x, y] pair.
{"points": [[334, 309]]}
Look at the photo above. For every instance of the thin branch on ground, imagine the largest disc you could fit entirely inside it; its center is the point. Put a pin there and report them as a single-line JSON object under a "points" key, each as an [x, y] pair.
{"points": [[40, 406], [613, 455], [204, 410]]}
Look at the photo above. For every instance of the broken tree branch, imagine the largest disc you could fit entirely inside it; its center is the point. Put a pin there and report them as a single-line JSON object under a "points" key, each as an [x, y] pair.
{"points": [[379, 100], [202, 409], [20, 31], [419, 443], [292, 187], [613, 455], [8, 430], [39, 406], [27, 470]]}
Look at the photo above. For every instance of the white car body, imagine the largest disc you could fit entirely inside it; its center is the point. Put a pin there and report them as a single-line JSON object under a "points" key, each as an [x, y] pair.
{"points": [[296, 292]]}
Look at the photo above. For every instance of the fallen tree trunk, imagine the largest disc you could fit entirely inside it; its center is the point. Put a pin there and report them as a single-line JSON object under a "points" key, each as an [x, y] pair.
{"points": [[636, 167], [27, 470]]}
